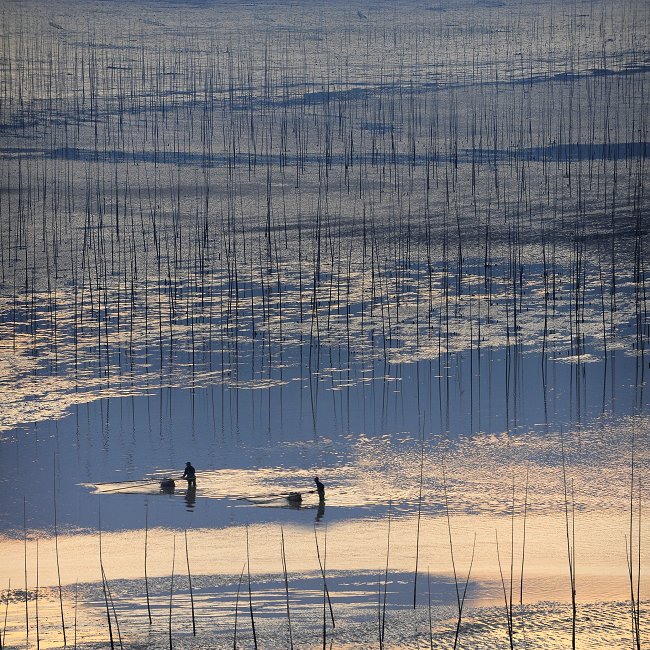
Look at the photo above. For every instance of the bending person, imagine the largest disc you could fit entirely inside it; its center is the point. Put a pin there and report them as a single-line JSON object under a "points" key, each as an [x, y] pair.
{"points": [[320, 488], [189, 475]]}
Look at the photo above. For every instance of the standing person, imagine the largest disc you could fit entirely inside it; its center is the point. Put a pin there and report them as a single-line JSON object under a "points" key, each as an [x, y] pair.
{"points": [[320, 488], [189, 475]]}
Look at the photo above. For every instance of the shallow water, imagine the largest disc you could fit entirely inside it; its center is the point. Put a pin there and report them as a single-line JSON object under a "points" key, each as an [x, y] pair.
{"points": [[398, 246]]}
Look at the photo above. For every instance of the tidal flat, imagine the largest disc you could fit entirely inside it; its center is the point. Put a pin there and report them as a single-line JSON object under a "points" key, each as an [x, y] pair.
{"points": [[399, 246]]}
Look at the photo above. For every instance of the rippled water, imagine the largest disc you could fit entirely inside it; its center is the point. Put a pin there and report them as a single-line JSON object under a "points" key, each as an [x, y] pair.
{"points": [[400, 246]]}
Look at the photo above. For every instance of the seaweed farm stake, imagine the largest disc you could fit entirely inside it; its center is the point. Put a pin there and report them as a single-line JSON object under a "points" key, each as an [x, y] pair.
{"points": [[108, 611], [523, 556], [429, 603], [25, 547], [56, 548], [241, 576], [171, 593], [250, 593], [570, 541], [508, 606], [38, 629], [417, 538], [629, 554], [4, 627], [76, 602], [146, 579], [383, 612], [286, 585], [322, 571], [189, 577]]}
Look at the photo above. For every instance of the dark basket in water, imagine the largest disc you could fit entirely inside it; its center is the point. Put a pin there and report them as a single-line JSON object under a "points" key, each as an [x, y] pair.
{"points": [[167, 485], [294, 497]]}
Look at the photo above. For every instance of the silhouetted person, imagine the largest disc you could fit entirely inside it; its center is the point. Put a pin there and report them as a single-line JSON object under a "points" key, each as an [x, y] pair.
{"points": [[320, 488], [189, 475]]}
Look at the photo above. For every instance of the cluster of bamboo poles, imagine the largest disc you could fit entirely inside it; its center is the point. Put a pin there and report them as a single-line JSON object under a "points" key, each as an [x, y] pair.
{"points": [[399, 189], [186, 198]]}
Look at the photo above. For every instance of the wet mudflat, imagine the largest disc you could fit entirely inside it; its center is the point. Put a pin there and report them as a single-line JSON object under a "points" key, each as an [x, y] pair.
{"points": [[400, 247]]}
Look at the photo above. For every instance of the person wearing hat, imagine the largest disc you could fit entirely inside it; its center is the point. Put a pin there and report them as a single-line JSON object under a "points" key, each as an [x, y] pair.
{"points": [[189, 475]]}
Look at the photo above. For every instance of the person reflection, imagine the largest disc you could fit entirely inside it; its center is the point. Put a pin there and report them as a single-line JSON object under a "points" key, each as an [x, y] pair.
{"points": [[321, 510], [190, 498]]}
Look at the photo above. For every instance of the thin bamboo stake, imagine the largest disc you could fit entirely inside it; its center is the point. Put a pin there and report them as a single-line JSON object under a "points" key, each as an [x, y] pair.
{"points": [[112, 602], [505, 595], [4, 627], [383, 613], [171, 595], [146, 578], [56, 548], [417, 538], [322, 571], [250, 592], [189, 577], [38, 630], [429, 608], [108, 611], [286, 585], [462, 601], [76, 602], [523, 556], [570, 541], [25, 555], [241, 576]]}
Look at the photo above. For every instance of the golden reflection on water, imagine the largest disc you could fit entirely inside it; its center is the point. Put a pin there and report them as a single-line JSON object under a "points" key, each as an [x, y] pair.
{"points": [[355, 548]]}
